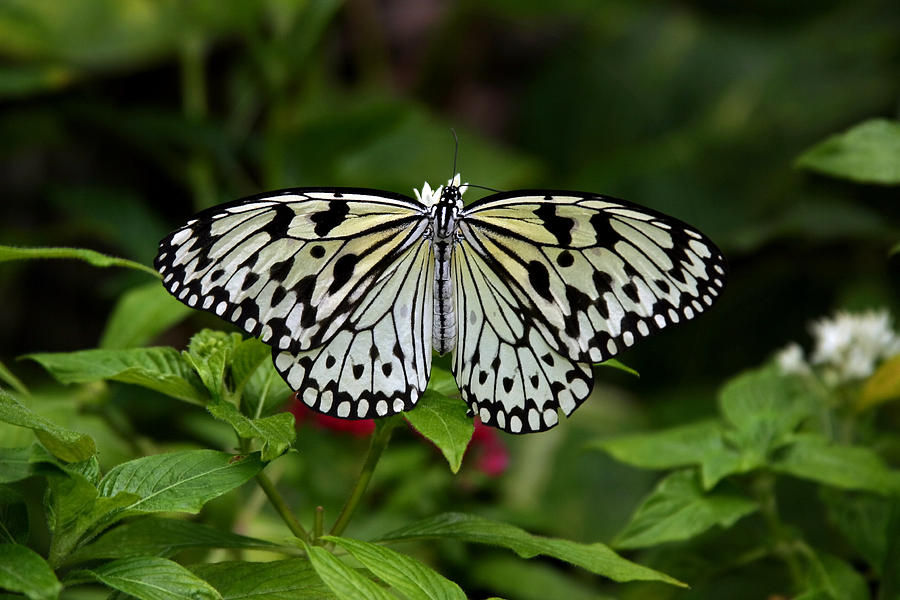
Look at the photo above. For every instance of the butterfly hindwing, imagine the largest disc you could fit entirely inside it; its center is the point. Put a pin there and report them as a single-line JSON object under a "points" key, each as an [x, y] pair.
{"points": [[594, 274]]}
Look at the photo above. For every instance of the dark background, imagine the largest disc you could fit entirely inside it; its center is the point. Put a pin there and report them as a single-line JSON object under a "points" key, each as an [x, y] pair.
{"points": [[120, 118]]}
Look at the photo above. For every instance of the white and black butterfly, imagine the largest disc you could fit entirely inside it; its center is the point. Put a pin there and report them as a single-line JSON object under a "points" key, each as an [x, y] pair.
{"points": [[354, 288]]}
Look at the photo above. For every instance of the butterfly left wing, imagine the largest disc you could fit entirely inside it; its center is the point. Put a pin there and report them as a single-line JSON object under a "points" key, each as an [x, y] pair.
{"points": [[594, 273]]}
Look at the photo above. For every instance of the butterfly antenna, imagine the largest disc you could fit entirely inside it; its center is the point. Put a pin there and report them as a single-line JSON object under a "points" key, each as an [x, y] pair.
{"points": [[483, 187], [455, 152]]}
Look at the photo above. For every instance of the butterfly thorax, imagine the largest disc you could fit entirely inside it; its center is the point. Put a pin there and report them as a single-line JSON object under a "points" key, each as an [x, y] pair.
{"points": [[444, 215]]}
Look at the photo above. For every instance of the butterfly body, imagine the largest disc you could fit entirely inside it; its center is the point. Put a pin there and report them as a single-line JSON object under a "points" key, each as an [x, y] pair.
{"points": [[354, 289]]}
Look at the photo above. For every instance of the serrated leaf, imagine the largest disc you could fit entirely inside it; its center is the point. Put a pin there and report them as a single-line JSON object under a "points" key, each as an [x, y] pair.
{"points": [[882, 386], [867, 153], [92, 257], [150, 578], [141, 314], [179, 481], [66, 445], [290, 579], [815, 458], [443, 421], [410, 577], [276, 432], [343, 581], [160, 368], [265, 392], [210, 352], [23, 570], [679, 509], [596, 558], [249, 355], [157, 536]]}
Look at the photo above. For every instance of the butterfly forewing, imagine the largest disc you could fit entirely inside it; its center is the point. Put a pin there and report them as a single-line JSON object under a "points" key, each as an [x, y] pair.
{"points": [[593, 273]]}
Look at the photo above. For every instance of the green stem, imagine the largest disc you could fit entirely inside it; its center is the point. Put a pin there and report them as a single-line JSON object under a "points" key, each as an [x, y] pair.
{"points": [[319, 523], [376, 447], [281, 507], [784, 543]]}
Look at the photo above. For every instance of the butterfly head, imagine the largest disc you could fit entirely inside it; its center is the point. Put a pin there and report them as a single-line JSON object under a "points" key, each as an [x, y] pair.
{"points": [[450, 194]]}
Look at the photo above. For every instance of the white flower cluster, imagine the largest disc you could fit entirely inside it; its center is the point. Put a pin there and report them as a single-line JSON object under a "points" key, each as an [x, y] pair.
{"points": [[847, 346], [428, 196]]}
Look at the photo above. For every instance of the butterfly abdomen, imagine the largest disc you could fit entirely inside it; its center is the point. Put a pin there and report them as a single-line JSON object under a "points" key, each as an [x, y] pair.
{"points": [[444, 217]]}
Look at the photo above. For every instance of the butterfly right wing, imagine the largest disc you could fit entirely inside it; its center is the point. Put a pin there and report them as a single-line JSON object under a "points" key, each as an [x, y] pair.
{"points": [[290, 267]]}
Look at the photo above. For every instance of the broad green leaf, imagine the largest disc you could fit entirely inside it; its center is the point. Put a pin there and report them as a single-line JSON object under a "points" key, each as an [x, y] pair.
{"points": [[141, 314], [529, 581], [343, 581], [179, 481], [848, 467], [679, 509], [698, 443], [867, 153], [882, 386], [265, 392], [150, 578], [443, 420], [210, 352], [276, 432], [442, 382], [864, 521], [596, 558], [22, 570], [96, 259], [157, 536], [66, 445], [75, 511], [11, 380], [764, 407], [19, 463], [407, 575], [160, 368], [290, 579], [14, 526], [834, 577]]}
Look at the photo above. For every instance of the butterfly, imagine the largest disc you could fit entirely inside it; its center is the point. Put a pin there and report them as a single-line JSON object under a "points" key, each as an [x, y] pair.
{"points": [[355, 288]]}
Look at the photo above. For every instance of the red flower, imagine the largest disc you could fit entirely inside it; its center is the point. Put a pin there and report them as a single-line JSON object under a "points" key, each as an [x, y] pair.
{"points": [[302, 413], [490, 453]]}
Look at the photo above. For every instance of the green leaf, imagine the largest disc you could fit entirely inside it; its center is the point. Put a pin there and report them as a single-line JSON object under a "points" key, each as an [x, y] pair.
{"points": [[248, 356], [96, 259], [617, 364], [864, 521], [276, 432], [22, 570], [161, 369], [11, 380], [141, 314], [265, 392], [150, 578], [867, 153], [343, 581], [18, 463], [834, 578], [179, 481], [290, 579], [75, 510], [27, 79], [407, 575], [157, 536], [529, 581], [847, 467], [443, 420], [210, 352], [679, 509], [442, 382], [66, 445], [596, 558], [700, 443], [764, 407], [14, 526]]}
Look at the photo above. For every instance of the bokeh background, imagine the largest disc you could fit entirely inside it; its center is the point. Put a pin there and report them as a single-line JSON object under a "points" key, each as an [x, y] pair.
{"points": [[120, 118]]}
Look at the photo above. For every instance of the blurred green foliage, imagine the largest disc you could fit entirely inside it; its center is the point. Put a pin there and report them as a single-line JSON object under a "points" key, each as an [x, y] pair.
{"points": [[120, 118]]}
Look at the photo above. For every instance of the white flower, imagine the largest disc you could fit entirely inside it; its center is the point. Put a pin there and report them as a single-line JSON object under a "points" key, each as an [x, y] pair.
{"points": [[850, 345], [428, 196], [790, 360]]}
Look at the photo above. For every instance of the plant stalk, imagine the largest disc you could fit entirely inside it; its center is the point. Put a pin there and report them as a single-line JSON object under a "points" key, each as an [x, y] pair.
{"points": [[281, 507]]}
